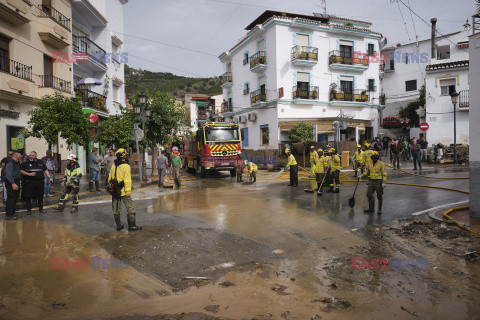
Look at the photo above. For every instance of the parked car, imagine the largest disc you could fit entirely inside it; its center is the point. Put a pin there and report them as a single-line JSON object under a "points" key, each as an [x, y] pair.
{"points": [[394, 122]]}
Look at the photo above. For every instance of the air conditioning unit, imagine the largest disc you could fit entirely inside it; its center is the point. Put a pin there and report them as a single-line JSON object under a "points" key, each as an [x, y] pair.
{"points": [[252, 116], [243, 119]]}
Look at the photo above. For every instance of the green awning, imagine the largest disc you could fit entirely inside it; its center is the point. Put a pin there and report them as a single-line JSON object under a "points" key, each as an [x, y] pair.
{"points": [[88, 110], [202, 104]]}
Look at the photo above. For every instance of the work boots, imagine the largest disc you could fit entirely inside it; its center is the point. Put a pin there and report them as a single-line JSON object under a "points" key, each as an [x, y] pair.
{"points": [[380, 202], [97, 185], [371, 206], [74, 208], [118, 222], [90, 186], [330, 190], [131, 223], [61, 206]]}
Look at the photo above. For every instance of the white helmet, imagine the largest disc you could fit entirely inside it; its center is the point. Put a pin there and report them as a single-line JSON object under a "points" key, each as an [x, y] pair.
{"points": [[72, 157]]}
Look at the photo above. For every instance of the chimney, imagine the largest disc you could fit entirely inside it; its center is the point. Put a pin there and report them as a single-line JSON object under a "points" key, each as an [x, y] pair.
{"points": [[434, 32]]}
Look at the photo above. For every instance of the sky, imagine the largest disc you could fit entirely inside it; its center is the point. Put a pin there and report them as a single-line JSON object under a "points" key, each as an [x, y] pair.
{"points": [[185, 37]]}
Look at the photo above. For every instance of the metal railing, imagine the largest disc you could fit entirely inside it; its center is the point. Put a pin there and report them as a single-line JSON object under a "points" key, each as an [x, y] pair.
{"points": [[258, 58], [226, 78], [50, 81], [337, 56], [309, 92], [55, 15], [227, 107], [85, 45], [463, 99], [15, 68], [258, 95], [357, 95], [91, 99], [372, 88], [304, 53]]}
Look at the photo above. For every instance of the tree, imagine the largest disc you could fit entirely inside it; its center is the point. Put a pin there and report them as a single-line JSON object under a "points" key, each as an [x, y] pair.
{"points": [[302, 132], [116, 130], [410, 111], [59, 116]]}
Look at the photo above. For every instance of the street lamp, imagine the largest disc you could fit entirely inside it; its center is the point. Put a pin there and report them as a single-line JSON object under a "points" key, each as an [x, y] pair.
{"points": [[454, 95], [144, 112]]}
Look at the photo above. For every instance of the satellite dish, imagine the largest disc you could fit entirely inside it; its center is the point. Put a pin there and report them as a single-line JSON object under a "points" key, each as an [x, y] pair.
{"points": [[335, 125]]}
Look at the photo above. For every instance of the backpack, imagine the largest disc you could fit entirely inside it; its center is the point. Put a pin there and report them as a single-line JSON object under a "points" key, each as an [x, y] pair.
{"points": [[114, 187]]}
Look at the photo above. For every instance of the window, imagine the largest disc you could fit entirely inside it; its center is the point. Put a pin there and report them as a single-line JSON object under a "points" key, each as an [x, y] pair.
{"points": [[263, 88], [346, 51], [346, 86], [392, 64], [244, 137], [116, 93], [302, 40], [245, 58], [371, 49], [443, 52], [246, 88], [371, 84], [447, 86], [264, 134], [411, 85], [221, 133], [4, 54], [303, 81]]}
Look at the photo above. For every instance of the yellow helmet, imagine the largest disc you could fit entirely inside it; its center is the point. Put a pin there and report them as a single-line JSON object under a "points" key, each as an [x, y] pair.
{"points": [[287, 150], [359, 146], [332, 150], [367, 145], [320, 150], [312, 148], [375, 153], [121, 153]]}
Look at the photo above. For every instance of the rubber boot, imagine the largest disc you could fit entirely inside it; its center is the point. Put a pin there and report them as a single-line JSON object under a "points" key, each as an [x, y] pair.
{"points": [[61, 206], [74, 208], [118, 222], [380, 202], [90, 186], [371, 206], [337, 189], [97, 185], [131, 223], [330, 190]]}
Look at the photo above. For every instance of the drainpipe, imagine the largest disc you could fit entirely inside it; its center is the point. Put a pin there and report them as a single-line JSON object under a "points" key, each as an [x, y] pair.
{"points": [[434, 32]]}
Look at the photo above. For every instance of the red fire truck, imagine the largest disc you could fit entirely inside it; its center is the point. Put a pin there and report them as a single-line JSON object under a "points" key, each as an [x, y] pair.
{"points": [[214, 147]]}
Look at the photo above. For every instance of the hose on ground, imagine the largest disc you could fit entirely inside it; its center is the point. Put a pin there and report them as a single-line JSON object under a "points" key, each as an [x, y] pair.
{"points": [[446, 216]]}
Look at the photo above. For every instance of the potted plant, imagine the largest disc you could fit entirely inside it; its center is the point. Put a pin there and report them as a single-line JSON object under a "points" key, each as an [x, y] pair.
{"points": [[333, 90]]}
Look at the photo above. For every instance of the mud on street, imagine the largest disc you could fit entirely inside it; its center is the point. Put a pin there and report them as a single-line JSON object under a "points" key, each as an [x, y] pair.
{"points": [[217, 249]]}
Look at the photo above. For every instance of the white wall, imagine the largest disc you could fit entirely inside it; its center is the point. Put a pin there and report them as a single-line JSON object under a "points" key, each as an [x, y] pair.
{"points": [[475, 125]]}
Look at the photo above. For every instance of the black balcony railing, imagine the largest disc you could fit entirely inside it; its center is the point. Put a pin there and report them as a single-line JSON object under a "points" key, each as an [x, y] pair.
{"points": [[226, 78], [463, 99], [340, 57], [304, 53], [49, 81], [354, 95], [15, 68], [309, 92], [372, 88], [258, 95], [52, 13], [91, 99], [85, 45], [258, 59]]}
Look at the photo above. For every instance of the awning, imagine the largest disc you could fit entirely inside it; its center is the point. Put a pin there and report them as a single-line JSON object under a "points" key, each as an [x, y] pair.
{"points": [[202, 104], [323, 126]]}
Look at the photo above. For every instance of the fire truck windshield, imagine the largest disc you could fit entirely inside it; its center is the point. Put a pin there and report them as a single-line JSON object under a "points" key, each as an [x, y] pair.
{"points": [[221, 134]]}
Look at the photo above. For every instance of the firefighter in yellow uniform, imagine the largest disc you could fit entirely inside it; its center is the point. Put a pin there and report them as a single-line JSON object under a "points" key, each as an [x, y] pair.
{"points": [[335, 165], [378, 179], [358, 160], [313, 159], [251, 170], [292, 164], [321, 166], [121, 171], [328, 165], [367, 155], [71, 182]]}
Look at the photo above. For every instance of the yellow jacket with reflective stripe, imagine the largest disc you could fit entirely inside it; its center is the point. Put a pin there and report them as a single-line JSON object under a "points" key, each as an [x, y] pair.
{"points": [[358, 156], [123, 174], [376, 171], [313, 157], [291, 161], [251, 167], [367, 156], [336, 162], [328, 161], [320, 164]]}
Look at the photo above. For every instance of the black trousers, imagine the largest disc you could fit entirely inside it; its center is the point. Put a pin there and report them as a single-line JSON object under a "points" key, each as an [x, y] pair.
{"points": [[294, 175], [34, 190], [12, 198]]}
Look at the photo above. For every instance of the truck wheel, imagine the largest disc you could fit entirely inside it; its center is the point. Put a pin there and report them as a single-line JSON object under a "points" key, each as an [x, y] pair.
{"points": [[233, 172], [201, 172]]}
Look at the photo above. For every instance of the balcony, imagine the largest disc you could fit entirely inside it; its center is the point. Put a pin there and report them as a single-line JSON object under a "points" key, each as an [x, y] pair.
{"points": [[227, 107], [15, 12], [463, 100], [257, 96], [16, 78], [304, 56], [338, 61], [15, 68], [55, 15], [49, 81], [357, 95], [91, 56], [258, 62], [226, 79], [54, 28], [308, 93], [91, 99]]}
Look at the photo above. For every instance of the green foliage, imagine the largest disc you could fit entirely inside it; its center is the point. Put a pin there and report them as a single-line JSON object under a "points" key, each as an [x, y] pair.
{"points": [[57, 115], [301, 132], [410, 111], [163, 82], [116, 130]]}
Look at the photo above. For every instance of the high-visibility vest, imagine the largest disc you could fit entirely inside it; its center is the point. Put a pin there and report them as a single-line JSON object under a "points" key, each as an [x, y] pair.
{"points": [[358, 156], [336, 163], [320, 164], [377, 171], [291, 160]]}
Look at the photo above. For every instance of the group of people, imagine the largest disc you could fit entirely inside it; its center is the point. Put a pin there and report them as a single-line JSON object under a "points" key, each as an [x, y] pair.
{"points": [[406, 149], [247, 167], [162, 164]]}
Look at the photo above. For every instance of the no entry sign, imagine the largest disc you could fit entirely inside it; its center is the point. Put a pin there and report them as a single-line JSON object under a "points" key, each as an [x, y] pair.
{"points": [[424, 126], [92, 117]]}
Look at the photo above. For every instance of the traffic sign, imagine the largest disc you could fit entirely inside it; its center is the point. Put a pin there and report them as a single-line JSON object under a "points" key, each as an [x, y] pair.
{"points": [[92, 117], [138, 134], [424, 126]]}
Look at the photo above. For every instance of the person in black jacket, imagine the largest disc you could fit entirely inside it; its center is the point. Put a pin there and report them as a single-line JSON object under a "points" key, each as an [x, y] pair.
{"points": [[12, 183], [34, 171]]}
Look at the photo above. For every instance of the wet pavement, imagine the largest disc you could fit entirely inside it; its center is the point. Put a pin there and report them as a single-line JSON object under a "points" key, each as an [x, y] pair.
{"points": [[233, 250]]}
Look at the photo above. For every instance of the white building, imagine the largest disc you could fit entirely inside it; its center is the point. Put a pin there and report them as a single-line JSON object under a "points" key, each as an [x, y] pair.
{"points": [[281, 72]]}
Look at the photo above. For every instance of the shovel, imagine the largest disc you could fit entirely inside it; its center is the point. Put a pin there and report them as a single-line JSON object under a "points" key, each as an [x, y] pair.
{"points": [[351, 201], [319, 193]]}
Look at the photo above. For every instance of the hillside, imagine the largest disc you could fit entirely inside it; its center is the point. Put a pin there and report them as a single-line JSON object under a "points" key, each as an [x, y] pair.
{"points": [[138, 79]]}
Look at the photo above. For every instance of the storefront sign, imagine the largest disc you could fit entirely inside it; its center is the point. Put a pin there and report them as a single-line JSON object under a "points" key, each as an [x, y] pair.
{"points": [[9, 114]]}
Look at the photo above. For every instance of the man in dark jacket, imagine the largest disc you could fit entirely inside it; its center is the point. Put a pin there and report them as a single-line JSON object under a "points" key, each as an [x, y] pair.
{"points": [[12, 183], [34, 171]]}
